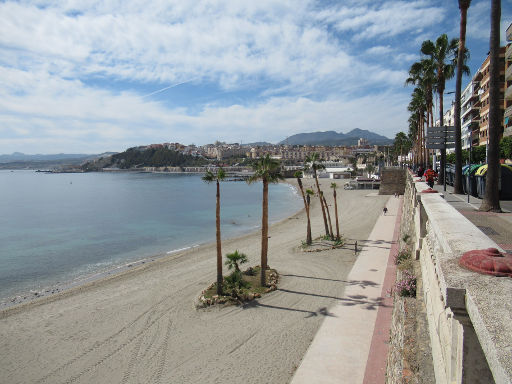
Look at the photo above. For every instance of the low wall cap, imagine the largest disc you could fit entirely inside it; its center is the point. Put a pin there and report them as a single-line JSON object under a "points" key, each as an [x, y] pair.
{"points": [[488, 261], [429, 190]]}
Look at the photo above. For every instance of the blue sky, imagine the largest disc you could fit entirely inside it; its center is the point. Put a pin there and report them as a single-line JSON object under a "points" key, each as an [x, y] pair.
{"points": [[93, 76]]}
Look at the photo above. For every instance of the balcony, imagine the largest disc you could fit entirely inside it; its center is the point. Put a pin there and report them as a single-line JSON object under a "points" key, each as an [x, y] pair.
{"points": [[508, 72], [508, 52], [508, 112], [508, 93]]}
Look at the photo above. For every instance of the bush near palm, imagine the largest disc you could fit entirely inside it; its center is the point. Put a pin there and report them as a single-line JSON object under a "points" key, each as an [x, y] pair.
{"points": [[234, 259], [267, 170]]}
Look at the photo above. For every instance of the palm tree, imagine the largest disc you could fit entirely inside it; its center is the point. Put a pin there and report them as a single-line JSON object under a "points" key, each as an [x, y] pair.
{"points": [[334, 186], [401, 144], [309, 193], [235, 258], [268, 171], [418, 107], [463, 6], [298, 175], [313, 162], [210, 177], [441, 53], [491, 201], [422, 74], [328, 215]]}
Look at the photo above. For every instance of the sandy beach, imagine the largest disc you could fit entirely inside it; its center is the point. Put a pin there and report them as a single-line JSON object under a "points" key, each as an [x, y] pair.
{"points": [[142, 326]]}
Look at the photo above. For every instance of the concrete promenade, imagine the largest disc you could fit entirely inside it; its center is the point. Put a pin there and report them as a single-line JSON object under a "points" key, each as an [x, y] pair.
{"points": [[496, 226], [351, 344]]}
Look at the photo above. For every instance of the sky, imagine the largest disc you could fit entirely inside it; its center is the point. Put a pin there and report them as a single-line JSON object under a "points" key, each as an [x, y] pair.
{"points": [[94, 76]]}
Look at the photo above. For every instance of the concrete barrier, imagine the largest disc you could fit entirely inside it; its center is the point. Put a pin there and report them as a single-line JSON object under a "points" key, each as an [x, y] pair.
{"points": [[469, 314]]}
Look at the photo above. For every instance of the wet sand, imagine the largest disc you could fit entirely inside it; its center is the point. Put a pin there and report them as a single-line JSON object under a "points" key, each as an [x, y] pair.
{"points": [[141, 326]]}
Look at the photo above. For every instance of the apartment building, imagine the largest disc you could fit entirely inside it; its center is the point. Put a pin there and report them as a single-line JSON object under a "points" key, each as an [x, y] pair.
{"points": [[507, 117], [470, 112], [484, 95]]}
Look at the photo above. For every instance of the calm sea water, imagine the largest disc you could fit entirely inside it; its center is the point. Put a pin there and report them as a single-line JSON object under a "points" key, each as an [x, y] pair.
{"points": [[57, 227]]}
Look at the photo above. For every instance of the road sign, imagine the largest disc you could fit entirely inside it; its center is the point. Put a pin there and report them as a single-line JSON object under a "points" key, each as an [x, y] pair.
{"points": [[448, 128], [440, 146], [441, 136]]}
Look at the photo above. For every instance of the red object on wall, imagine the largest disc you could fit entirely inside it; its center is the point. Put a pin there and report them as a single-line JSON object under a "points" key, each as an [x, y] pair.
{"points": [[429, 190], [487, 261]]}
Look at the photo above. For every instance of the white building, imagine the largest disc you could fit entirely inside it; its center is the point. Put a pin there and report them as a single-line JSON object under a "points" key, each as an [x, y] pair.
{"points": [[470, 111]]}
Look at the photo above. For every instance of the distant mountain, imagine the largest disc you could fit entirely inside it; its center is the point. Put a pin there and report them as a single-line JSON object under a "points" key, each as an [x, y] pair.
{"points": [[18, 160], [257, 144], [335, 138], [18, 156]]}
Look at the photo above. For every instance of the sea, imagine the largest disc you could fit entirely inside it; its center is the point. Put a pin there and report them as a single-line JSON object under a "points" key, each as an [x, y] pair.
{"points": [[57, 229]]}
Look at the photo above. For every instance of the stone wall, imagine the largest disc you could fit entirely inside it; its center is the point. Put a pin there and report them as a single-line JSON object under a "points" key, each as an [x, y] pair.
{"points": [[468, 313], [394, 364], [392, 181]]}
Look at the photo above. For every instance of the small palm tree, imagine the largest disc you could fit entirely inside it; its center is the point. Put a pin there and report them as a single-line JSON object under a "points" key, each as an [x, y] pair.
{"points": [[268, 171], [298, 175], [334, 186], [208, 178], [235, 258], [313, 162]]}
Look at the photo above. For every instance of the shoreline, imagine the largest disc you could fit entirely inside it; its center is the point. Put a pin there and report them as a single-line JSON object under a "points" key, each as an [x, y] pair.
{"points": [[53, 291], [143, 325]]}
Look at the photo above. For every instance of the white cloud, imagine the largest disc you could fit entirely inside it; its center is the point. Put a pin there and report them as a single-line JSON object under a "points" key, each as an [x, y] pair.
{"points": [[379, 50], [72, 117], [310, 63], [384, 19]]}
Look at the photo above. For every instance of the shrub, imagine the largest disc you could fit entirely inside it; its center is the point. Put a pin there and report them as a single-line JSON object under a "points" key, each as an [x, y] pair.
{"points": [[234, 259], [402, 255], [406, 287], [235, 281]]}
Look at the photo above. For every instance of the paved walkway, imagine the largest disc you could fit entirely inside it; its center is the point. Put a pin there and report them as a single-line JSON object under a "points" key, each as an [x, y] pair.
{"points": [[351, 345], [496, 226]]}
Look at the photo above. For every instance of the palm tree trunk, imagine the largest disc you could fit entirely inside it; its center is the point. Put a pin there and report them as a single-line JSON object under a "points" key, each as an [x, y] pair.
{"points": [[440, 180], [308, 232], [457, 186], [491, 201], [321, 203], [329, 216], [427, 158], [264, 233], [219, 249], [336, 212], [309, 239]]}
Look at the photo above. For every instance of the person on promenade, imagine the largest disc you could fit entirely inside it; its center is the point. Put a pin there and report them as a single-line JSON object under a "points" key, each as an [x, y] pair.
{"points": [[385, 210], [429, 176]]}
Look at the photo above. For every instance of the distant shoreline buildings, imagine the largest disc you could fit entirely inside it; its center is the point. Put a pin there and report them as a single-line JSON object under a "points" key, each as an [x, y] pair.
{"points": [[289, 153]]}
